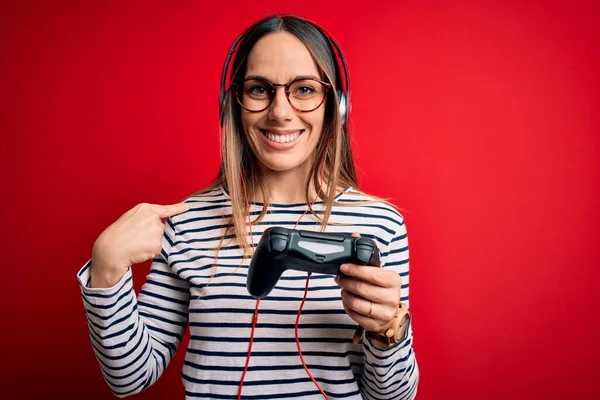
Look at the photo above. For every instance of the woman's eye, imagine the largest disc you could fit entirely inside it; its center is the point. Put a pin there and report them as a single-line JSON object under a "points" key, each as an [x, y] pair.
{"points": [[258, 90], [305, 90]]}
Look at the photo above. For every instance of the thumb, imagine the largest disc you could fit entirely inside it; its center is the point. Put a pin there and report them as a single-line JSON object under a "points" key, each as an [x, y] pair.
{"points": [[355, 234]]}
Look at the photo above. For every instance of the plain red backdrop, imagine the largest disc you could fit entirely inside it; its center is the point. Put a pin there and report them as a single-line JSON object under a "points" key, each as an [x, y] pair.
{"points": [[479, 119]]}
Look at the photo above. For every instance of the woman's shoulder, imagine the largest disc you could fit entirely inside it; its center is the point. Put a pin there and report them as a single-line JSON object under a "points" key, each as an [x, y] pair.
{"points": [[207, 206], [212, 194], [211, 200], [370, 203]]}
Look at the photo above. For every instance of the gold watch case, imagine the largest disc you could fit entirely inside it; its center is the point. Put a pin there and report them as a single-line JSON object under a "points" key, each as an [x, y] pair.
{"points": [[397, 331]]}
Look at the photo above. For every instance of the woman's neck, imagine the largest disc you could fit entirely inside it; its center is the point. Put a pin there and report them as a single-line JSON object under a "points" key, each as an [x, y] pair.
{"points": [[287, 187]]}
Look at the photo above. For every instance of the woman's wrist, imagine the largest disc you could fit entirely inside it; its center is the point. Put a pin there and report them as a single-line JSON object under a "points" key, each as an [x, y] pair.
{"points": [[101, 278], [396, 330], [103, 272]]}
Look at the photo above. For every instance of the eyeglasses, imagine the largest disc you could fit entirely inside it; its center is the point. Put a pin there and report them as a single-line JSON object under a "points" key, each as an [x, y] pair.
{"points": [[303, 94]]}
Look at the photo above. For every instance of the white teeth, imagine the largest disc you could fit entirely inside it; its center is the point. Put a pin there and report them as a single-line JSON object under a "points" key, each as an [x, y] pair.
{"points": [[282, 138]]}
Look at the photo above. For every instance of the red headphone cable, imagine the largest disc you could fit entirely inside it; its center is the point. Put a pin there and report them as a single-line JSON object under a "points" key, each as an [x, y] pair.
{"points": [[255, 317]]}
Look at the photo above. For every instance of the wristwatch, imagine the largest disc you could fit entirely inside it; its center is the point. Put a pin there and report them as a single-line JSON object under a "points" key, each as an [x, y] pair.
{"points": [[397, 331]]}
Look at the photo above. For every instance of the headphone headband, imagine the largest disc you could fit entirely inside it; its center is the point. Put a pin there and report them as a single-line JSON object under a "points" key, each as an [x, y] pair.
{"points": [[343, 93], [224, 73]]}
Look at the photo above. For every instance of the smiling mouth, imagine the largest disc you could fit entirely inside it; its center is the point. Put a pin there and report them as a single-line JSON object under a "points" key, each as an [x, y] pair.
{"points": [[282, 138]]}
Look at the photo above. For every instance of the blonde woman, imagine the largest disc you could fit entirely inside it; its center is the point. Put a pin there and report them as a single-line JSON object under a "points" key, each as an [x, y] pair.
{"points": [[286, 161]]}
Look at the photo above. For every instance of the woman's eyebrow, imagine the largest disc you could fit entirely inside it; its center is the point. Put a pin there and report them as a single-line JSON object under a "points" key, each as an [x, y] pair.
{"points": [[260, 77]]}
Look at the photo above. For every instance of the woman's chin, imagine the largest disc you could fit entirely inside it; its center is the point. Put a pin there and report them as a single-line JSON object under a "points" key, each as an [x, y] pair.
{"points": [[281, 163]]}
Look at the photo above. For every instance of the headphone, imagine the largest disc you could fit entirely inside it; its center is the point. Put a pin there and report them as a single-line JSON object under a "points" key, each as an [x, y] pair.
{"points": [[344, 96]]}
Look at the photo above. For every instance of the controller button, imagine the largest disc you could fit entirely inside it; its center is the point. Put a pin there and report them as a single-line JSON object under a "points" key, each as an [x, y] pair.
{"points": [[278, 244], [364, 255], [278, 230], [336, 237]]}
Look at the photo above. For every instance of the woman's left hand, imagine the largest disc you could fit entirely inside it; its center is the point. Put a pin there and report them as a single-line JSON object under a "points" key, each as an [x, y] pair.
{"points": [[370, 295]]}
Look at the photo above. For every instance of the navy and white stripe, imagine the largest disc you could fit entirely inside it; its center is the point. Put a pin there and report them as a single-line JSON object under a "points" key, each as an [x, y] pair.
{"points": [[135, 338]]}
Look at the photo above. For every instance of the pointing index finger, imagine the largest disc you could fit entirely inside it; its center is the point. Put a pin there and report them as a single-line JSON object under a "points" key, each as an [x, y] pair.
{"points": [[173, 209]]}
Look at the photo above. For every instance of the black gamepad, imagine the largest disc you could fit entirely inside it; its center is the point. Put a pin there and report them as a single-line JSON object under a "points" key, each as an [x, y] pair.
{"points": [[281, 249]]}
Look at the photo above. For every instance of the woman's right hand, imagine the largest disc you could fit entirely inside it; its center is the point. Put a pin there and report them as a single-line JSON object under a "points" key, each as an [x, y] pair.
{"points": [[134, 238]]}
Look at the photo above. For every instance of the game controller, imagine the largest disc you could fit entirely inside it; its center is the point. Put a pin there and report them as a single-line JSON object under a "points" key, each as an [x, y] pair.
{"points": [[281, 249]]}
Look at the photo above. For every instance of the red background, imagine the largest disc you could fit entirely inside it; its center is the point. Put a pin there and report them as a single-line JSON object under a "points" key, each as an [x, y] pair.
{"points": [[479, 119]]}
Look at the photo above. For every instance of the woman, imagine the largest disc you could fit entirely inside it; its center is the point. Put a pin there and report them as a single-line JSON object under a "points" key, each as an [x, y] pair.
{"points": [[286, 161]]}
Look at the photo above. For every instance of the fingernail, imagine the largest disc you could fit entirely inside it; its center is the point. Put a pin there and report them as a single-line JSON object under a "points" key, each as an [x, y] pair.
{"points": [[344, 268]]}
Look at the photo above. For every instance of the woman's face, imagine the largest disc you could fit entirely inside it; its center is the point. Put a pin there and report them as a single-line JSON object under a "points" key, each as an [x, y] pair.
{"points": [[282, 138]]}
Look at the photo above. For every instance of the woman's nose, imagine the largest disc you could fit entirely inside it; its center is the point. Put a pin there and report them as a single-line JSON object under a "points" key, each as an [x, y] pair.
{"points": [[280, 108]]}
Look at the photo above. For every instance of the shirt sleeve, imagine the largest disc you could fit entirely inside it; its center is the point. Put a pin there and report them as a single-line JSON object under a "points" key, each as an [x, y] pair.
{"points": [[392, 373], [135, 337]]}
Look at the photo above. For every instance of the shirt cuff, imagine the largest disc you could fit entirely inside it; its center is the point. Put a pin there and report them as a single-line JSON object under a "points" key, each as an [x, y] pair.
{"points": [[379, 353], [102, 296]]}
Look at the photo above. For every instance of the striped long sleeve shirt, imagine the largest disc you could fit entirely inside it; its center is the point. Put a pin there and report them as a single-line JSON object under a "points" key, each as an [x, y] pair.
{"points": [[134, 337]]}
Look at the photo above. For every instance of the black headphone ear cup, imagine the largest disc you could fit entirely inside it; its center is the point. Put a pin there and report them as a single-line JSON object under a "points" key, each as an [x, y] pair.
{"points": [[223, 106]]}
